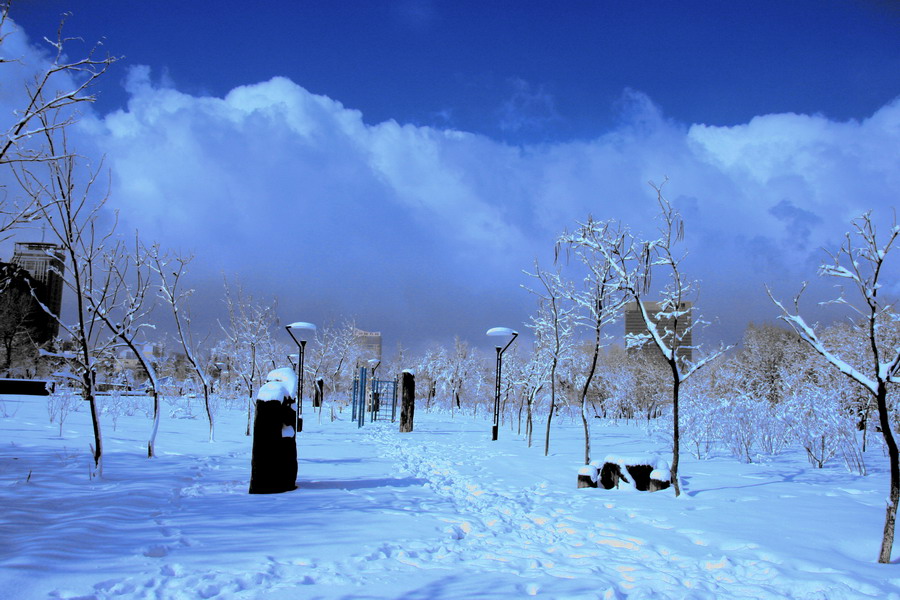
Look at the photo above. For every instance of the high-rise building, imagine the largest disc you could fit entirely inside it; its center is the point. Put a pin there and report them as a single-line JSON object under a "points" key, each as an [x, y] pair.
{"points": [[369, 343], [634, 324], [45, 263]]}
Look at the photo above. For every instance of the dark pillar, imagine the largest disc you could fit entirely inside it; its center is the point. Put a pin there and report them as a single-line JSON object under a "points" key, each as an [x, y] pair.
{"points": [[408, 401], [273, 464]]}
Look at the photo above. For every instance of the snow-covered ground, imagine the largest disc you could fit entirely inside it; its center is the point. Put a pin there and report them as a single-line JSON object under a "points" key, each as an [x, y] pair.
{"points": [[442, 512]]}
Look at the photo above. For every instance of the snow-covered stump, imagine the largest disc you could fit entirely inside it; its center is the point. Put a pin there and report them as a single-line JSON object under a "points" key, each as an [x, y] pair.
{"points": [[408, 401], [643, 473], [588, 476], [610, 474], [273, 464], [660, 479]]}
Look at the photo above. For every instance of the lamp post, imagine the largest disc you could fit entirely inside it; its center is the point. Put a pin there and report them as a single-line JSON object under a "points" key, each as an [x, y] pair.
{"points": [[499, 332], [304, 331]]}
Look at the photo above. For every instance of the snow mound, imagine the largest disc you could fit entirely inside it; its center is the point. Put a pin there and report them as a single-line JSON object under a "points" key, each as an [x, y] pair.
{"points": [[589, 470], [624, 461], [286, 375], [273, 390]]}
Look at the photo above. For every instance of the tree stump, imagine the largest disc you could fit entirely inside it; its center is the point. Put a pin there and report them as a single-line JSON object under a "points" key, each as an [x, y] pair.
{"points": [[408, 401], [660, 479], [640, 476], [610, 474], [644, 472], [587, 477]]}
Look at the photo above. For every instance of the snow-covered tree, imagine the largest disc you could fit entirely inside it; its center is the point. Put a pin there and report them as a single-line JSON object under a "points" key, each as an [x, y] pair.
{"points": [[428, 374], [553, 329], [170, 273], [122, 301], [859, 266], [34, 150], [670, 321], [333, 358], [247, 336], [72, 213], [457, 369], [600, 299], [529, 378], [50, 93]]}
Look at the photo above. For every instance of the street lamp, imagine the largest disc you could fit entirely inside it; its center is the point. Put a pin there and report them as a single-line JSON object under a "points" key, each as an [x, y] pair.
{"points": [[501, 332], [304, 331]]}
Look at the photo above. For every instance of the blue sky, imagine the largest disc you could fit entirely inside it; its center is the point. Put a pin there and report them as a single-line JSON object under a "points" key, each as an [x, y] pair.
{"points": [[404, 161], [521, 71]]}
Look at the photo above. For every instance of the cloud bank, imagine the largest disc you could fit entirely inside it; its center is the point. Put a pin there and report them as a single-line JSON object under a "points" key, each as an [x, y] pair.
{"points": [[422, 232]]}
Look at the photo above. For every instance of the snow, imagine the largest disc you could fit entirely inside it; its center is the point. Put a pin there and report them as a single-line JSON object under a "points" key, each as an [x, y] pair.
{"points": [[273, 390], [284, 374], [500, 331], [650, 460], [590, 471], [439, 513], [661, 474]]}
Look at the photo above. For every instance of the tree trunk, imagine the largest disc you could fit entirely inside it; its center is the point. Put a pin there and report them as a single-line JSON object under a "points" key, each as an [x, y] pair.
{"points": [[552, 407], [209, 415], [587, 432], [528, 423], [88, 383], [890, 517], [151, 443], [676, 384]]}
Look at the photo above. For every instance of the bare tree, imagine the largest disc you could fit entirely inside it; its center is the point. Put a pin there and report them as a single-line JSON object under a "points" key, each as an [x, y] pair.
{"points": [[71, 213], [247, 335], [170, 278], [671, 323], [122, 301], [50, 97], [529, 378], [552, 326], [334, 356], [601, 299], [859, 264]]}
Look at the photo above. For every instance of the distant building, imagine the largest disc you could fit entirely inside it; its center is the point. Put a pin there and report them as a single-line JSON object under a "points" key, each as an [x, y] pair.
{"points": [[634, 324], [369, 343], [45, 263], [127, 362]]}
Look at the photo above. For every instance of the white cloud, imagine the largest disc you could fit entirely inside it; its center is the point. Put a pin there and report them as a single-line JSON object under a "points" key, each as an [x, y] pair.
{"points": [[423, 232]]}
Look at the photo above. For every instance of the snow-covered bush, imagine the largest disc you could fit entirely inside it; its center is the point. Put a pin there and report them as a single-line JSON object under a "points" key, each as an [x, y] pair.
{"points": [[60, 404], [820, 424], [699, 423], [738, 417]]}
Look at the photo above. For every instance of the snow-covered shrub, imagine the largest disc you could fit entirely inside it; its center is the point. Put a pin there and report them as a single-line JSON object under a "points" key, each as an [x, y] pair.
{"points": [[60, 404], [182, 407], [738, 417], [111, 406], [819, 423], [773, 427], [698, 415]]}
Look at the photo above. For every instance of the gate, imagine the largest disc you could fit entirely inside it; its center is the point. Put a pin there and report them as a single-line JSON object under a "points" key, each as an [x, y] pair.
{"points": [[375, 396]]}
